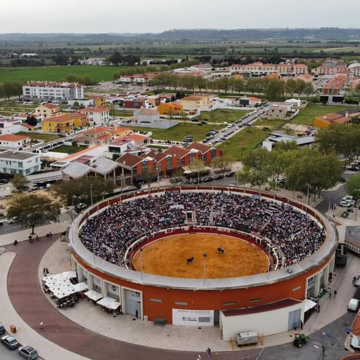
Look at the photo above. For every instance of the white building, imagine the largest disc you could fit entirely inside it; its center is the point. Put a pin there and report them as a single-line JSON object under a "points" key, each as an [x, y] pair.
{"points": [[10, 126], [53, 90], [98, 115], [14, 142], [19, 162]]}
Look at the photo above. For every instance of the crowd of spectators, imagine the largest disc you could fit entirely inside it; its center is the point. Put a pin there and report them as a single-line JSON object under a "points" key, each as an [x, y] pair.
{"points": [[109, 233]]}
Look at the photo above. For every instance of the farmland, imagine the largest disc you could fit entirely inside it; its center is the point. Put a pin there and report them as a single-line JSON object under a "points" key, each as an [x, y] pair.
{"points": [[58, 73]]}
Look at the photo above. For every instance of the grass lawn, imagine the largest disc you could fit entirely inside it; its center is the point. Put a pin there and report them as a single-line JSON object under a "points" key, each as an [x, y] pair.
{"points": [[221, 115], [248, 138], [123, 113], [307, 115], [58, 73], [69, 149], [38, 136], [178, 132], [271, 124]]}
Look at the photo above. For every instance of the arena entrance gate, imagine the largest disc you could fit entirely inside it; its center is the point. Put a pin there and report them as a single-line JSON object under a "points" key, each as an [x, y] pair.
{"points": [[133, 303]]}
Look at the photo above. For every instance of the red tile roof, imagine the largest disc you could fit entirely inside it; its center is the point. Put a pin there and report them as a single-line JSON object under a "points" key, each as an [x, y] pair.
{"points": [[12, 137], [177, 151], [198, 146], [94, 109], [129, 159]]}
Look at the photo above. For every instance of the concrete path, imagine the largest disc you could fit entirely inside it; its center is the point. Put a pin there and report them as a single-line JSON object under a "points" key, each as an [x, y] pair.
{"points": [[25, 334], [41, 231]]}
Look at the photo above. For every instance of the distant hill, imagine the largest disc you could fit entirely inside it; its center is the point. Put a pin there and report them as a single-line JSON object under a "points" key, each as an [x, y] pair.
{"points": [[200, 35]]}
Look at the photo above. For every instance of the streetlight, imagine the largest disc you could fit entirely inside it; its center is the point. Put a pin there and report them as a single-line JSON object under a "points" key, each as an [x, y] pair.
{"points": [[91, 194], [205, 255]]}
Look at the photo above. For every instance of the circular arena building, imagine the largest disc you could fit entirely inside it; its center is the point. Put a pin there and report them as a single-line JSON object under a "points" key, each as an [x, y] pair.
{"points": [[209, 256]]}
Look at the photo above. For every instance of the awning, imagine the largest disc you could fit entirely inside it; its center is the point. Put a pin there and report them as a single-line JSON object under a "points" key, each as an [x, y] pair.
{"points": [[93, 295], [309, 304], [80, 287], [109, 303], [69, 274]]}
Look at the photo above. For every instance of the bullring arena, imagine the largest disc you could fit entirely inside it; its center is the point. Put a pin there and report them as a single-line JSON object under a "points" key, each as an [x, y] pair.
{"points": [[234, 258]]}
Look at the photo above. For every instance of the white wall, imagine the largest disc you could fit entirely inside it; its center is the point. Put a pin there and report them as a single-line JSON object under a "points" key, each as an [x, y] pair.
{"points": [[264, 323]]}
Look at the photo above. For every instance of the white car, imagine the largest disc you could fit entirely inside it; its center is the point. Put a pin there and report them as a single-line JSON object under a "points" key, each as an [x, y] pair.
{"points": [[353, 304], [347, 203]]}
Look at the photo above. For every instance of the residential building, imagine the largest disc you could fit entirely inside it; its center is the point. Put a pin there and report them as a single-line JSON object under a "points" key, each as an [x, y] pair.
{"points": [[331, 67], [62, 124], [19, 162], [172, 108], [10, 126], [81, 102], [195, 102], [97, 115], [137, 103], [343, 117], [280, 111], [53, 90], [47, 110], [120, 146], [249, 101], [97, 136], [354, 69], [277, 137], [300, 69], [80, 120], [139, 139], [98, 100], [14, 142]]}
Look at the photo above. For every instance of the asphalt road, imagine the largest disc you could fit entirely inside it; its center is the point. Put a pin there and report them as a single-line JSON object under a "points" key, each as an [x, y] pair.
{"points": [[6, 354], [331, 336]]}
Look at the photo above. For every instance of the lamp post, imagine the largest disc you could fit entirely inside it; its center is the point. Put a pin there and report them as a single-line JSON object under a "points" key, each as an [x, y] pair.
{"points": [[205, 255], [91, 194]]}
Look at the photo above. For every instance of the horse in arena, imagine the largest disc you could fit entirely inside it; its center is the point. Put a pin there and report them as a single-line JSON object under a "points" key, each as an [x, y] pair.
{"points": [[221, 250], [190, 260]]}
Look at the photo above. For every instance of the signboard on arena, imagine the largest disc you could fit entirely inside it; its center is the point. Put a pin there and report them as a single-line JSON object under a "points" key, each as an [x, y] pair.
{"points": [[193, 317]]}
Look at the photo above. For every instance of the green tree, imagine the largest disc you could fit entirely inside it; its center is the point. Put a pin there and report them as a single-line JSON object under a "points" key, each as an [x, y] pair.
{"points": [[86, 190], [275, 89], [31, 210], [308, 89], [197, 165], [31, 120], [352, 186], [116, 58], [223, 163], [18, 181], [290, 87], [71, 78]]}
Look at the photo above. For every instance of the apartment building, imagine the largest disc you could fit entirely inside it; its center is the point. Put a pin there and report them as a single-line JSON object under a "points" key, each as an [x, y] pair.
{"points": [[53, 90], [97, 115], [46, 110], [19, 162]]}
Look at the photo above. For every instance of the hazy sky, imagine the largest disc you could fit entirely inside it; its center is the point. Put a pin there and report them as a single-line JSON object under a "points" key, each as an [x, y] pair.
{"points": [[85, 16]]}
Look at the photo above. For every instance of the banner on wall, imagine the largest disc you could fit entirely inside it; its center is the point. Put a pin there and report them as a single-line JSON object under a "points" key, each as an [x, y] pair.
{"points": [[193, 317]]}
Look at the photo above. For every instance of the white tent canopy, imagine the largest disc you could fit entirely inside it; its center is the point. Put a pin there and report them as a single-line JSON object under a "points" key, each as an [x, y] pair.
{"points": [[309, 304]]}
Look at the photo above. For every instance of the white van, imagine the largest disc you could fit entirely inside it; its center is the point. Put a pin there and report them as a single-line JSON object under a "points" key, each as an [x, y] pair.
{"points": [[353, 305], [246, 338]]}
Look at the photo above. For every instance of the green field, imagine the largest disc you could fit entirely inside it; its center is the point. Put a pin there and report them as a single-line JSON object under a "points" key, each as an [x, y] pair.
{"points": [[221, 115], [66, 149], [248, 138], [307, 115], [178, 132], [38, 136], [122, 113], [58, 73]]}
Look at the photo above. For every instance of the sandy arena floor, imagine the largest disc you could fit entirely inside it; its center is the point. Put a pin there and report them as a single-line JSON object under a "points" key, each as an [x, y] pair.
{"points": [[167, 257]]}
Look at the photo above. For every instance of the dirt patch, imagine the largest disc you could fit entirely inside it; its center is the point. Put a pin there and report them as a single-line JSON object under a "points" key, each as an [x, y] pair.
{"points": [[168, 257]]}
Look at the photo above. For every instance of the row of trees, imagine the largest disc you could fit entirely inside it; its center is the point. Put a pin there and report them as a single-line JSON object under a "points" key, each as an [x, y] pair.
{"points": [[272, 88], [11, 88], [85, 80], [306, 170]]}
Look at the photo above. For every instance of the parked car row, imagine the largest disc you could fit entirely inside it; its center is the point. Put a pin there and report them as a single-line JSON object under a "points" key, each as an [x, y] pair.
{"points": [[27, 352]]}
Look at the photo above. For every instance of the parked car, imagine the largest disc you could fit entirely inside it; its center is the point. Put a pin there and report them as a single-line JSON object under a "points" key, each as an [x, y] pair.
{"points": [[347, 201], [10, 342], [4, 181], [28, 352], [230, 174], [2, 329], [218, 177], [208, 179]]}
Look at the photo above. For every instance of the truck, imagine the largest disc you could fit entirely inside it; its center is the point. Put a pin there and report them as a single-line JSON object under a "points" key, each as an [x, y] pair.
{"points": [[246, 338]]}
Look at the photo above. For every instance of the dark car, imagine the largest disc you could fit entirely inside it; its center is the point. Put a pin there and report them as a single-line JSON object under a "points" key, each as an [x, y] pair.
{"points": [[28, 352], [2, 329], [10, 342], [230, 174], [208, 179], [218, 177], [4, 181]]}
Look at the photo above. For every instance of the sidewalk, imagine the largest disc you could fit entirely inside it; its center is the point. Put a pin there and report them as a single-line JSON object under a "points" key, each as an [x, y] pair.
{"points": [[41, 231], [25, 334]]}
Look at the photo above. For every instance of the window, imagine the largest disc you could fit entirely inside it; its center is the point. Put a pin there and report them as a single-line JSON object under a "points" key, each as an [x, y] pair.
{"points": [[20, 164], [181, 303], [156, 300], [183, 162]]}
